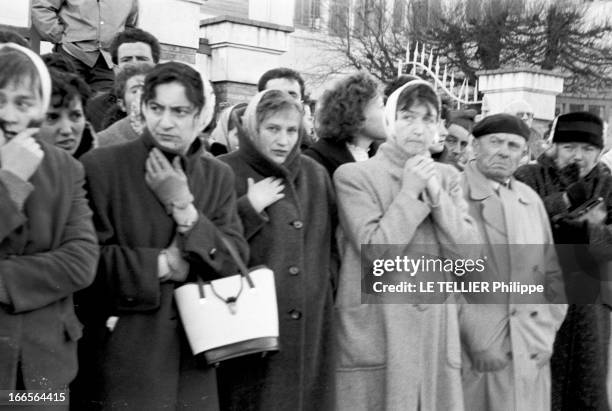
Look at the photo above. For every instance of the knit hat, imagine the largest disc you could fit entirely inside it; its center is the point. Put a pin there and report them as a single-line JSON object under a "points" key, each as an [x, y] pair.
{"points": [[501, 123], [578, 127]]}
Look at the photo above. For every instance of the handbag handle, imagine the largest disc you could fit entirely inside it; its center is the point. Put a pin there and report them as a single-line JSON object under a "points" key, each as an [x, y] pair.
{"points": [[244, 273]]}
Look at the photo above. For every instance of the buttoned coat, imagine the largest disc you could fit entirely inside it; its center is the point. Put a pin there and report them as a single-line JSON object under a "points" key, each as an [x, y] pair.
{"points": [[145, 362], [294, 237], [48, 251], [396, 356], [519, 248]]}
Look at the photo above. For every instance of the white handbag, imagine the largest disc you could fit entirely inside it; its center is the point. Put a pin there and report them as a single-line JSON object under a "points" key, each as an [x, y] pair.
{"points": [[232, 316]]}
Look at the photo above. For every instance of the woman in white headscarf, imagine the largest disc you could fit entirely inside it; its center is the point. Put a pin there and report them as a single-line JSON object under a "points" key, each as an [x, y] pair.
{"points": [[399, 356], [48, 246], [286, 204]]}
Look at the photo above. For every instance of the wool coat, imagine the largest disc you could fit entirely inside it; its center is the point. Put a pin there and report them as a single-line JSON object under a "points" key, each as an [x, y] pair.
{"points": [[48, 251], [332, 154], [580, 356], [294, 237], [396, 356], [514, 225], [145, 363]]}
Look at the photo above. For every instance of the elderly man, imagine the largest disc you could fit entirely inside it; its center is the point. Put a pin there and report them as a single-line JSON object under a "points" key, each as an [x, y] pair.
{"points": [[567, 178], [507, 340]]}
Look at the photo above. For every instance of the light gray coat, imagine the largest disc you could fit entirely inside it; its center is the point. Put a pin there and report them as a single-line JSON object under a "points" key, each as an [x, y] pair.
{"points": [[396, 356]]}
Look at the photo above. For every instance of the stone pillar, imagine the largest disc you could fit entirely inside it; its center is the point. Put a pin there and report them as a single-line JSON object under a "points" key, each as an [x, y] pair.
{"points": [[241, 51], [175, 23], [537, 87]]}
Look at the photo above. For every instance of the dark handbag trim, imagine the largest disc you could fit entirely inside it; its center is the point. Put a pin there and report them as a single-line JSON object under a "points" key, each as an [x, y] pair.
{"points": [[239, 349]]}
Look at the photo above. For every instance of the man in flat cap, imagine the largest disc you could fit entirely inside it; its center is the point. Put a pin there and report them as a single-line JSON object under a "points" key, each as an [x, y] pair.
{"points": [[507, 339], [568, 178]]}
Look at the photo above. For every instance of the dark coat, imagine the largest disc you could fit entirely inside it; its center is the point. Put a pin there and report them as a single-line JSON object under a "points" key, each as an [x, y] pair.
{"points": [[145, 363], [48, 251], [332, 155], [579, 362], [294, 237]]}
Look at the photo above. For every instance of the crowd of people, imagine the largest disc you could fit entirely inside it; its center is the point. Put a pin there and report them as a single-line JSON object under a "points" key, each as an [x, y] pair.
{"points": [[118, 187]]}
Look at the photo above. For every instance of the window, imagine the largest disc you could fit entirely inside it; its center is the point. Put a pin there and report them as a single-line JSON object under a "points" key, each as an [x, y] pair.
{"points": [[338, 17], [399, 15], [308, 13], [576, 107], [597, 110], [366, 16]]}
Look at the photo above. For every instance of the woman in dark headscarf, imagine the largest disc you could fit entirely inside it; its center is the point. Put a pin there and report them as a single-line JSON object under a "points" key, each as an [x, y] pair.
{"points": [[286, 204]]}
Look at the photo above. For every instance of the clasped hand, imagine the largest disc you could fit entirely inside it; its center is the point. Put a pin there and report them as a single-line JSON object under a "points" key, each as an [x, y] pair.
{"points": [[420, 175]]}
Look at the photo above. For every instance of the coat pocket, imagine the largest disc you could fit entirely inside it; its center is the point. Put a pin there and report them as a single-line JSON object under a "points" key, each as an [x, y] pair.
{"points": [[361, 337]]}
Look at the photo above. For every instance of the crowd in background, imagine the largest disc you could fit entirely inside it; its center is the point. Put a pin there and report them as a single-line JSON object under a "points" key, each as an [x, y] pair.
{"points": [[119, 182]]}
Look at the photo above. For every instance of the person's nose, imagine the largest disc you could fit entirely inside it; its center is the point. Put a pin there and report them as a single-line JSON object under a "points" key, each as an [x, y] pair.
{"points": [[165, 120], [8, 113], [283, 138], [65, 126]]}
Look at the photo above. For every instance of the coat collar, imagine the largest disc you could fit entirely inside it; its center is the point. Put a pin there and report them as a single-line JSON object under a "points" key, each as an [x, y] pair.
{"points": [[337, 152], [480, 187], [263, 165], [194, 153]]}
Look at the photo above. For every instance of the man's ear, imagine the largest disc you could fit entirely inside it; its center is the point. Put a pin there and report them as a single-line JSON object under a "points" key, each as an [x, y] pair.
{"points": [[475, 144], [121, 105]]}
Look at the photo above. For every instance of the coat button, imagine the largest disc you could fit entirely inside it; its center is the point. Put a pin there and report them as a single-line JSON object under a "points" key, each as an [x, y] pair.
{"points": [[297, 224], [533, 314], [212, 252], [295, 314], [533, 356], [293, 270]]}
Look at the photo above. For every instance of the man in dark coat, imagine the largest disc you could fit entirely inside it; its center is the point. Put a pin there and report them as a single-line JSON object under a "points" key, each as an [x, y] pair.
{"points": [[160, 210], [48, 246], [566, 178]]}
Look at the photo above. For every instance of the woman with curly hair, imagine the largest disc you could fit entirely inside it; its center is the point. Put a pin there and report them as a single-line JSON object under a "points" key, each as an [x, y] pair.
{"points": [[349, 122], [65, 125]]}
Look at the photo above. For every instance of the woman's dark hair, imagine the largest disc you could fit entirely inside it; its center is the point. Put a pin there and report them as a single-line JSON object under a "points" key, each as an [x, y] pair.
{"points": [[274, 101], [340, 111], [58, 61], [65, 87], [418, 94], [17, 68], [173, 72], [397, 83], [134, 35]]}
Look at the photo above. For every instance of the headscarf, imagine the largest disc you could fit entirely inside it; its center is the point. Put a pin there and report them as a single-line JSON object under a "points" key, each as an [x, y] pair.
{"points": [[250, 130], [208, 111], [221, 132], [391, 108], [41, 68]]}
